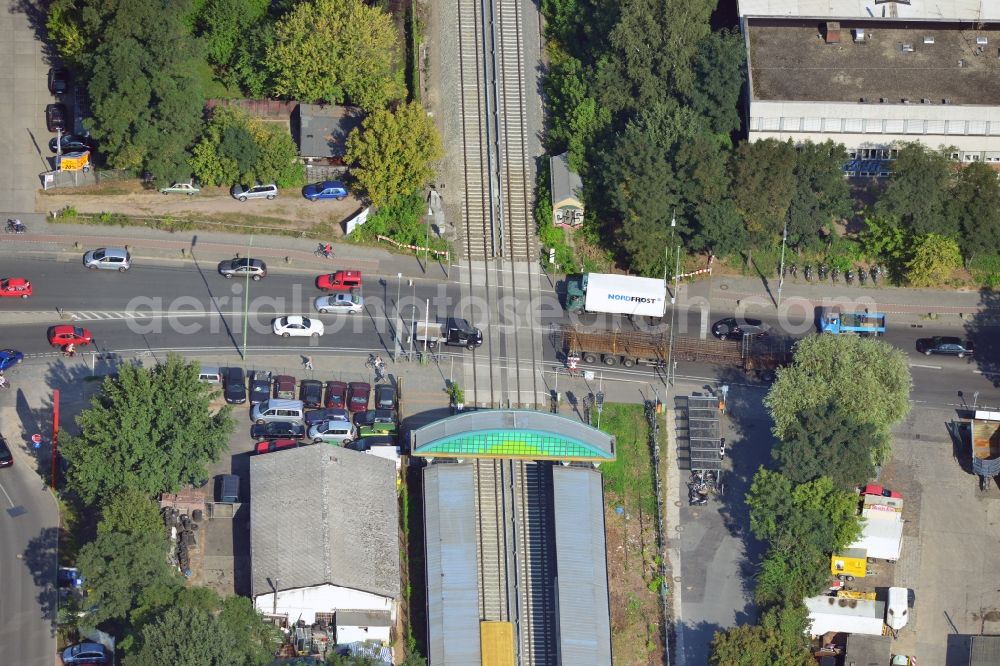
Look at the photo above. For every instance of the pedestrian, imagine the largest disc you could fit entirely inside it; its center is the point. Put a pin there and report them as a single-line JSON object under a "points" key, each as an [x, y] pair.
{"points": [[69, 350], [722, 448], [308, 362]]}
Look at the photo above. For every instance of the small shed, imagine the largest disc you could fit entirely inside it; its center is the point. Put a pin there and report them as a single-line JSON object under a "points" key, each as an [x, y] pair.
{"points": [[866, 650], [323, 131], [567, 193], [363, 625]]}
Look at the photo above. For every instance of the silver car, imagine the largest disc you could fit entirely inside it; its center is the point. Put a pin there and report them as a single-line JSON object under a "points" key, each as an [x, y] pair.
{"points": [[241, 267], [108, 258], [345, 302], [258, 191]]}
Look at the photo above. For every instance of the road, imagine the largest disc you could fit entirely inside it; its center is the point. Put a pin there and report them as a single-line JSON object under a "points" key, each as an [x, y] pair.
{"points": [[28, 542], [187, 305]]}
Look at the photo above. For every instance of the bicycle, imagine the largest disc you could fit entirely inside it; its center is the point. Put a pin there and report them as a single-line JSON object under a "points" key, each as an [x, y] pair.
{"points": [[321, 251], [15, 227]]}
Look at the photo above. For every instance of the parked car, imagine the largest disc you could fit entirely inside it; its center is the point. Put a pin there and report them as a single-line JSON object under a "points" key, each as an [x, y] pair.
{"points": [[375, 416], [284, 387], [336, 395], [6, 458], [333, 432], [945, 345], [326, 414], [15, 288], [181, 188], [366, 442], [85, 653], [71, 143], [277, 430], [260, 387], [234, 386], [311, 392], [297, 326], [69, 577], [339, 281], [329, 189], [108, 258], [242, 266], [385, 396], [9, 358], [55, 117], [732, 328], [345, 302], [58, 80], [258, 191], [275, 445], [65, 334], [357, 396]]}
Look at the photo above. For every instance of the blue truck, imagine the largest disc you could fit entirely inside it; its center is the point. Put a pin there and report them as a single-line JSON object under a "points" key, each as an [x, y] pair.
{"points": [[869, 324]]}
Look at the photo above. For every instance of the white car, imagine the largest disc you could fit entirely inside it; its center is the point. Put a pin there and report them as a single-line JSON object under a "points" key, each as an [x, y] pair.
{"points": [[345, 302], [294, 325]]}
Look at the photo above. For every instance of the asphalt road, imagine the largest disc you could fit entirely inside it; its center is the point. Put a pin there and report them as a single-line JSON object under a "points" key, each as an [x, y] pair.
{"points": [[28, 541], [189, 306]]}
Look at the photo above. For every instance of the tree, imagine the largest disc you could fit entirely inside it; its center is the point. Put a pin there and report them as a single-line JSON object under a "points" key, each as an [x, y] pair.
{"points": [[127, 575], [975, 205], [62, 22], [826, 441], [764, 182], [866, 376], [256, 641], [148, 430], [885, 238], [225, 23], [146, 102], [393, 151], [718, 69], [789, 573], [821, 194], [779, 639], [187, 637], [934, 258], [237, 148], [917, 190], [130, 512], [336, 51]]}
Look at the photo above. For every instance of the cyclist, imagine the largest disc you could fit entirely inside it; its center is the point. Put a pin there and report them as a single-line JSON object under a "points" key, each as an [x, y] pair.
{"points": [[328, 250]]}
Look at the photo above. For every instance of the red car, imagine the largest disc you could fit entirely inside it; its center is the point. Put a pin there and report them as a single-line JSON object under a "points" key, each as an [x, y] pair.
{"points": [[15, 287], [60, 336], [276, 445], [357, 396], [336, 395], [340, 281]]}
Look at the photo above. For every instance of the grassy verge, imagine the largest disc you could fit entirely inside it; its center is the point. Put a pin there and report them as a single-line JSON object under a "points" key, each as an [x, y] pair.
{"points": [[630, 514]]}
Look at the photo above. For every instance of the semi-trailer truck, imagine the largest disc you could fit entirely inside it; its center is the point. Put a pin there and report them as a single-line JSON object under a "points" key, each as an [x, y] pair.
{"points": [[616, 294]]}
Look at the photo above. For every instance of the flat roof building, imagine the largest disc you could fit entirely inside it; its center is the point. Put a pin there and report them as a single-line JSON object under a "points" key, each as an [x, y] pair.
{"points": [[927, 72]]}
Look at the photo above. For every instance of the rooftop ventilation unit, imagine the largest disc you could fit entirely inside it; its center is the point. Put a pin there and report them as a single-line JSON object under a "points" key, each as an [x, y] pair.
{"points": [[859, 34], [884, 100], [928, 39], [946, 100], [905, 100], [962, 63], [832, 32], [906, 48], [924, 100], [982, 41], [864, 100]]}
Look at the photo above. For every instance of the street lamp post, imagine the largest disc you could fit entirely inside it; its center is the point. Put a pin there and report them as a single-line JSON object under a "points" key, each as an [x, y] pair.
{"points": [[246, 304], [781, 269]]}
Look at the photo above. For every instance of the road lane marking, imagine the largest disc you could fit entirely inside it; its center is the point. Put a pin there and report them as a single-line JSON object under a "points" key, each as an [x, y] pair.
{"points": [[7, 496], [918, 365]]}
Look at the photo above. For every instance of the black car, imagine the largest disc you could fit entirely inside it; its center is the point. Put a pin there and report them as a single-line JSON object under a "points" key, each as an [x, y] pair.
{"points": [[732, 328], [311, 392], [234, 386], [317, 416], [373, 416], [55, 117], [58, 81], [367, 442], [260, 387], [945, 345], [277, 430], [6, 458], [385, 396], [71, 143]]}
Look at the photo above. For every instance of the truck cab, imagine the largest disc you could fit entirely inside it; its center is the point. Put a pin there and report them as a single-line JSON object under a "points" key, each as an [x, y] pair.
{"points": [[576, 292], [461, 333]]}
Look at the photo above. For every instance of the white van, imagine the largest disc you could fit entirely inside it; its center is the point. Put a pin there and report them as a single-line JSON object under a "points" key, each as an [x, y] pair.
{"points": [[276, 409], [210, 375]]}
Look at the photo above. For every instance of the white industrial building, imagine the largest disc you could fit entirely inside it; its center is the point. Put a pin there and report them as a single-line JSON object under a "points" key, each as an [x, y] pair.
{"points": [[324, 532], [873, 74]]}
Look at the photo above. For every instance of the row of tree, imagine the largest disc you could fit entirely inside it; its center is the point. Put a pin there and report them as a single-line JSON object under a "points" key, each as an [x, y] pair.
{"points": [[645, 97], [146, 65], [833, 410]]}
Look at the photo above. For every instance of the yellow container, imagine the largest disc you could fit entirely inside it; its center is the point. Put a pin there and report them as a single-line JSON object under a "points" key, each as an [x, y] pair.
{"points": [[851, 564], [75, 161]]}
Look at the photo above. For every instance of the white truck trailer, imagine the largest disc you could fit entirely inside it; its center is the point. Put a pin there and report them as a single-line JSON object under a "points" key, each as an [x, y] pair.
{"points": [[616, 294]]}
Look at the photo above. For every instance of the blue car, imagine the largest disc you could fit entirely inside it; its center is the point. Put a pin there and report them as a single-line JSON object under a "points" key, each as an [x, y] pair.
{"points": [[85, 653], [328, 189], [9, 358]]}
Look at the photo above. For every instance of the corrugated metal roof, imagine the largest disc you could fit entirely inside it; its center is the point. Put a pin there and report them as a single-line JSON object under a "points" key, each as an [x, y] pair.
{"points": [[322, 514], [584, 618], [937, 10], [565, 184], [985, 651], [450, 553]]}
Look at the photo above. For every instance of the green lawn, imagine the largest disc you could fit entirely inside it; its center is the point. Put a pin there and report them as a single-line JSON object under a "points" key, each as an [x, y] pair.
{"points": [[629, 480]]}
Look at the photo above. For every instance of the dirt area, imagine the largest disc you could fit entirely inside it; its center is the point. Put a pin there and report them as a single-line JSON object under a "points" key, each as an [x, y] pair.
{"points": [[289, 211]]}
